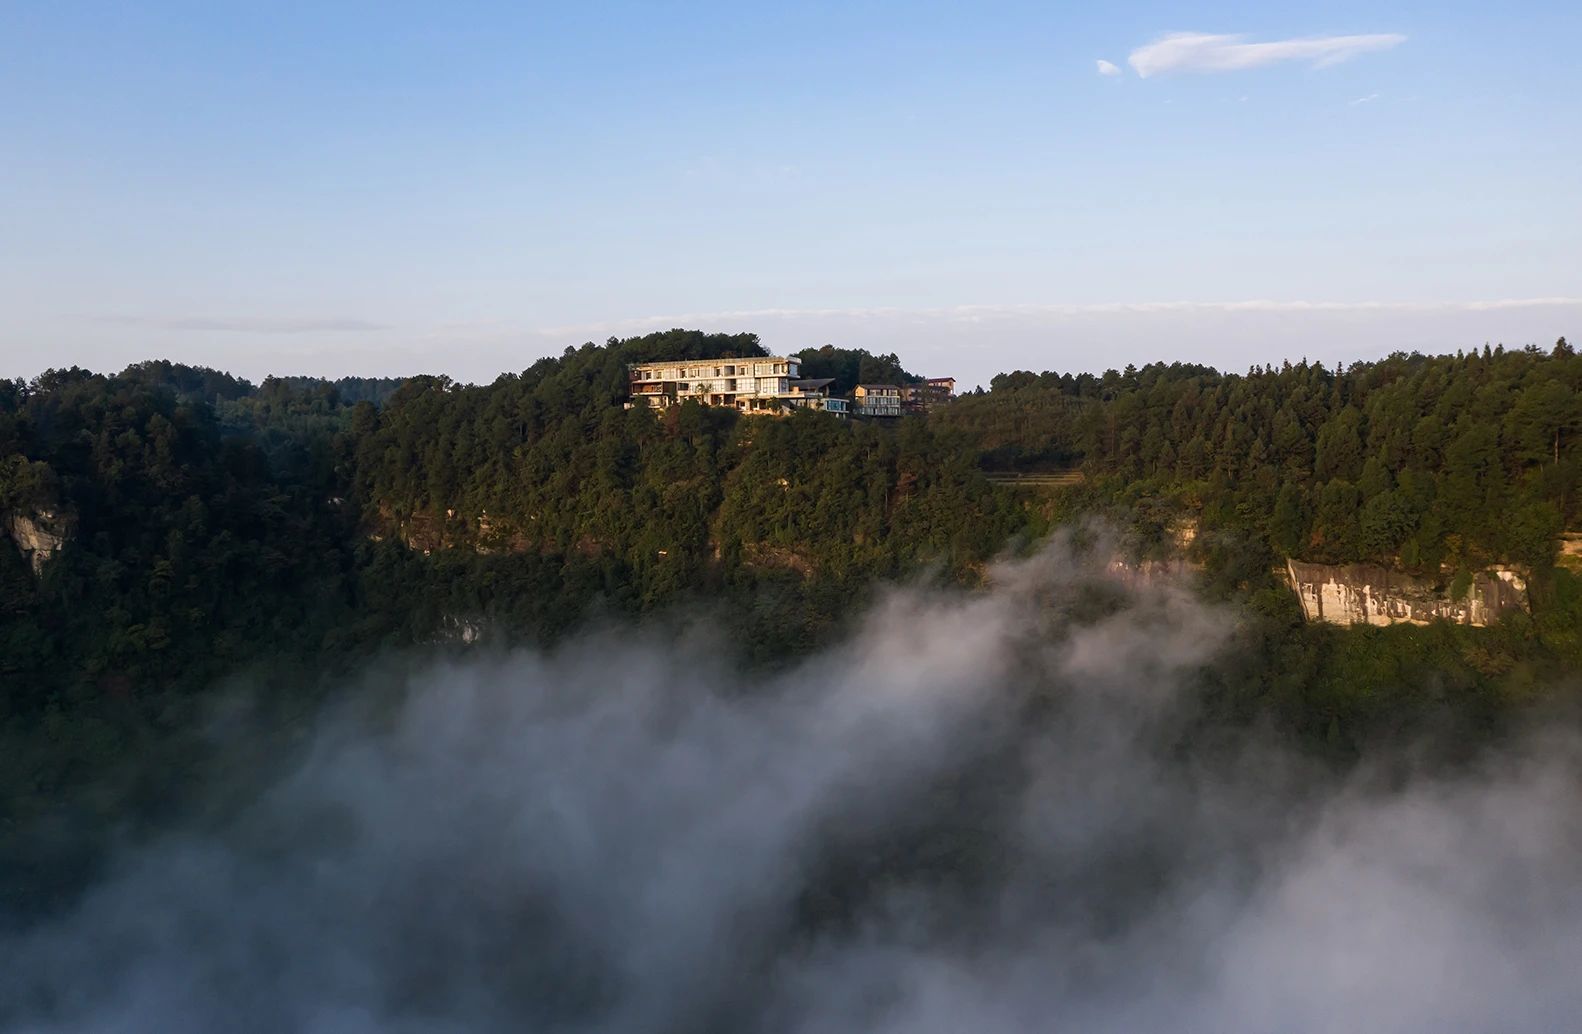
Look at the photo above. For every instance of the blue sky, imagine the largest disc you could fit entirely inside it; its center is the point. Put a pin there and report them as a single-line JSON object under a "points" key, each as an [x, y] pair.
{"points": [[392, 187]]}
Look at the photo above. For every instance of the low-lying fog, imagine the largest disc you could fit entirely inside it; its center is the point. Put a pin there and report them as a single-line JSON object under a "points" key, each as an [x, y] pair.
{"points": [[975, 815]]}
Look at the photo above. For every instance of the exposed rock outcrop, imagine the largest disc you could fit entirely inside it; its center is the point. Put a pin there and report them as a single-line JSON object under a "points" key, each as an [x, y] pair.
{"points": [[1570, 554], [39, 534], [767, 557], [1145, 572], [1368, 594]]}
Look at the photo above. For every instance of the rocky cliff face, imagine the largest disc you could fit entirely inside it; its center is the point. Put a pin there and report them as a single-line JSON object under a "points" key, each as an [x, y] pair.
{"points": [[1570, 556], [1367, 594], [39, 535]]}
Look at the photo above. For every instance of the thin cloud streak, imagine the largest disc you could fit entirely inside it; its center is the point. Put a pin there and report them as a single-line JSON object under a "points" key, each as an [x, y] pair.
{"points": [[981, 313], [252, 324], [1108, 68], [972, 342], [1207, 52]]}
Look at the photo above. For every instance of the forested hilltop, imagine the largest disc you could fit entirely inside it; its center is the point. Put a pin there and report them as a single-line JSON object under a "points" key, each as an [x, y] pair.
{"points": [[172, 526], [1463, 460]]}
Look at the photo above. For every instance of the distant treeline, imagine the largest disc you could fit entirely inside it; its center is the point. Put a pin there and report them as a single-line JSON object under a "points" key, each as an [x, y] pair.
{"points": [[203, 384]]}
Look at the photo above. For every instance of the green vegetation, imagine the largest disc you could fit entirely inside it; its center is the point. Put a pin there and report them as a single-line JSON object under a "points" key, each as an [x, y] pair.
{"points": [[853, 366], [1465, 461], [291, 529]]}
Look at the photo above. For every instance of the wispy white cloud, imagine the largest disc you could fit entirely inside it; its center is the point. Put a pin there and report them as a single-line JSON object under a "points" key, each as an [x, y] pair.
{"points": [[1206, 52], [1107, 68], [1369, 99]]}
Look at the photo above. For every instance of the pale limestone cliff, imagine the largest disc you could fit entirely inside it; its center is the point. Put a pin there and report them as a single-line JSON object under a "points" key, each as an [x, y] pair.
{"points": [[1570, 551], [1145, 572], [1367, 594], [39, 535]]}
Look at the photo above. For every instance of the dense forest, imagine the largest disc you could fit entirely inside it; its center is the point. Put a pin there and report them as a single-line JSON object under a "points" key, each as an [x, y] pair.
{"points": [[286, 530], [1464, 460]]}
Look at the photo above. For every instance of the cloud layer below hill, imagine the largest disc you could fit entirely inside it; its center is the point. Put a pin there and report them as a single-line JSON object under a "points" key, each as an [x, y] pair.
{"points": [[980, 812]]}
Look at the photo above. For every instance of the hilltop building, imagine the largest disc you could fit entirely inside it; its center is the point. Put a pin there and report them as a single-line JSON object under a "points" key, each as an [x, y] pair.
{"points": [[925, 395], [768, 384], [773, 385], [877, 400]]}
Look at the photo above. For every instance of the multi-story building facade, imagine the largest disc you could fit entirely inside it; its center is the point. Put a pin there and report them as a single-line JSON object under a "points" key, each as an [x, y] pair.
{"points": [[925, 395], [877, 400], [767, 384]]}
